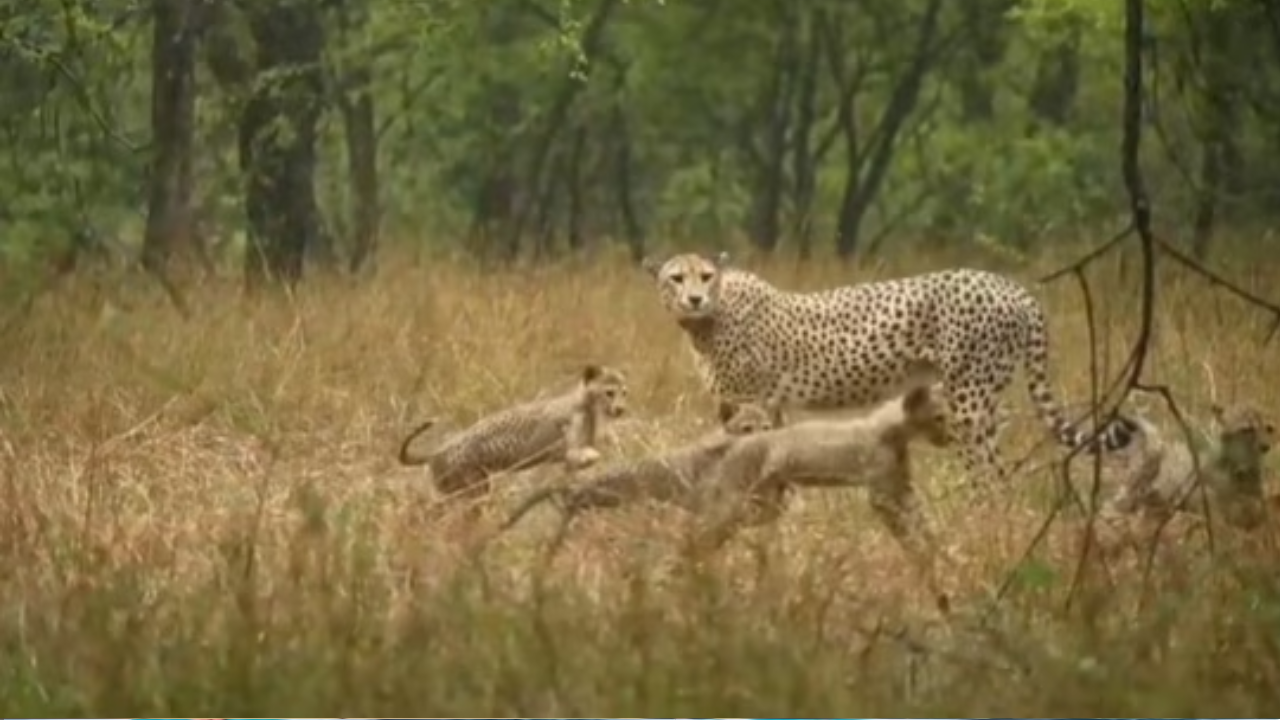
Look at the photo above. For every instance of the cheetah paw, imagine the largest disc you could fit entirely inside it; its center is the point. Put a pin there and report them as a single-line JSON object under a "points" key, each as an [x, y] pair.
{"points": [[581, 457]]}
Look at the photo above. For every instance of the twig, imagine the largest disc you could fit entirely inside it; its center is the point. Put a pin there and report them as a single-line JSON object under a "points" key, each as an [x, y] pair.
{"points": [[1095, 254], [1130, 378], [1219, 281]]}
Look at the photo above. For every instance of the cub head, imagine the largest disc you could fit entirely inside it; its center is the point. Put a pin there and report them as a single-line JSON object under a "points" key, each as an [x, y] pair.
{"points": [[1245, 428], [689, 284], [606, 390], [925, 416], [1244, 436], [748, 418]]}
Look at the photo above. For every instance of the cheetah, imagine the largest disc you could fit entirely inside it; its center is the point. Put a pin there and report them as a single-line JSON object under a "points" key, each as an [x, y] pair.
{"points": [[851, 346], [669, 477], [1230, 470], [871, 451], [561, 428]]}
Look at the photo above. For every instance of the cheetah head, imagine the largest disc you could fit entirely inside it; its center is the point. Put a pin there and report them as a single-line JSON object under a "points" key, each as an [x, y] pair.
{"points": [[1244, 433], [748, 418], [606, 390], [925, 415], [689, 284]]}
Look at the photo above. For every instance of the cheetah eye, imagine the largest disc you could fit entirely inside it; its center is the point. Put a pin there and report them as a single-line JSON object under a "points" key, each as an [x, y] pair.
{"points": [[707, 276], [676, 278]]}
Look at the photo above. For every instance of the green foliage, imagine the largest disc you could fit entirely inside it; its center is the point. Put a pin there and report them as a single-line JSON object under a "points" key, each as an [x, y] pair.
{"points": [[463, 89]]}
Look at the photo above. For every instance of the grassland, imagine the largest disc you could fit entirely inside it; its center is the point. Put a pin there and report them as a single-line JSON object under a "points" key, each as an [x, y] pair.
{"points": [[205, 516]]}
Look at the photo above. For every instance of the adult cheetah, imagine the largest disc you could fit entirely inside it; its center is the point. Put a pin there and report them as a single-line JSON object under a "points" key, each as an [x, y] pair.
{"points": [[852, 346]]}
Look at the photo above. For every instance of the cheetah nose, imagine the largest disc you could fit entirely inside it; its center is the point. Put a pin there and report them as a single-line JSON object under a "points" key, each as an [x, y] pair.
{"points": [[695, 301]]}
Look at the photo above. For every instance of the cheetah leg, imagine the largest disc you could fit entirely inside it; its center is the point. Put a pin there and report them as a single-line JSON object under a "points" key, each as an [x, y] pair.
{"points": [[977, 451], [761, 504], [579, 439], [470, 502], [897, 506], [972, 406], [568, 514]]}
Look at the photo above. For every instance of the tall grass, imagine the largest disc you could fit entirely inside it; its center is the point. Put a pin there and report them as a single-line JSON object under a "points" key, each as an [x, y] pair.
{"points": [[205, 516]]}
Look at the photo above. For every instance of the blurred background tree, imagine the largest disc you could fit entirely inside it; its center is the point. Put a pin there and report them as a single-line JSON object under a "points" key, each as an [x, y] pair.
{"points": [[276, 135]]}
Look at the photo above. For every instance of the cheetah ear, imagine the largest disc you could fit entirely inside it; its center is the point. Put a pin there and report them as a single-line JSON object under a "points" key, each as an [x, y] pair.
{"points": [[773, 409], [651, 265], [591, 373], [726, 410], [721, 260]]}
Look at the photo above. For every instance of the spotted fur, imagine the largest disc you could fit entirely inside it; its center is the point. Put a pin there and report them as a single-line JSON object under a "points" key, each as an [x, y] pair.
{"points": [[1228, 466], [557, 429], [852, 346]]}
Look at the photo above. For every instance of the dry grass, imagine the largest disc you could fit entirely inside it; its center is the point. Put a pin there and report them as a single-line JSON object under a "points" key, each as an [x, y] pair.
{"points": [[207, 515]]}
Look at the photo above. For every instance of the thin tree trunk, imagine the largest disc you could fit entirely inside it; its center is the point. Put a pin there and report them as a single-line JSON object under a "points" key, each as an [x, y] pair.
{"points": [[803, 163], [861, 187], [1219, 122], [577, 201], [770, 184], [278, 140], [624, 184], [592, 41], [362, 161], [170, 230]]}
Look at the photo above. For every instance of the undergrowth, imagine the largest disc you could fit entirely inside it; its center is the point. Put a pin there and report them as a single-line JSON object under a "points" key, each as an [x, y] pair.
{"points": [[205, 516]]}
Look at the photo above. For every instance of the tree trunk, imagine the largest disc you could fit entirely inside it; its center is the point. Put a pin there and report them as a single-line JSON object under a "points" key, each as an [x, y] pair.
{"points": [[1218, 124], [593, 36], [278, 140], [362, 159], [576, 189], [984, 24], [862, 186], [804, 174], [624, 183], [355, 97], [170, 230], [1057, 79], [494, 208], [775, 107]]}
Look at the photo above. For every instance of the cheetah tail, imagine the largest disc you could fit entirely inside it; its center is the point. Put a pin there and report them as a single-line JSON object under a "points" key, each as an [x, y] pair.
{"points": [[1117, 435], [406, 456], [533, 500]]}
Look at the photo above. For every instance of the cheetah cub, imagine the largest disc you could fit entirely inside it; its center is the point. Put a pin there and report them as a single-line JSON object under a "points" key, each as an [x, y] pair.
{"points": [[872, 451], [561, 429], [1230, 470], [669, 477]]}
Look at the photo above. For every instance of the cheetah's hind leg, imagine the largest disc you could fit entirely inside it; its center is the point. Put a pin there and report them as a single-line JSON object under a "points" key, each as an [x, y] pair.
{"points": [[972, 408]]}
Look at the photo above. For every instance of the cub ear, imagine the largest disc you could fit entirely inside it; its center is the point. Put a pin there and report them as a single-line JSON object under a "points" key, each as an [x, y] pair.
{"points": [[916, 398], [774, 409], [726, 410], [591, 372], [651, 265], [721, 260], [1217, 411]]}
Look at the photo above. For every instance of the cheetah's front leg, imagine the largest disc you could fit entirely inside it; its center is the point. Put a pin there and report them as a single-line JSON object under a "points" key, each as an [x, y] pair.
{"points": [[580, 438], [896, 504], [581, 458]]}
